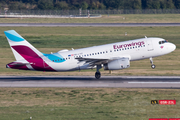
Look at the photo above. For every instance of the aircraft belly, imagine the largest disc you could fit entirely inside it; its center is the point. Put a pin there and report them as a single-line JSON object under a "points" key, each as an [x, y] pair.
{"points": [[65, 66]]}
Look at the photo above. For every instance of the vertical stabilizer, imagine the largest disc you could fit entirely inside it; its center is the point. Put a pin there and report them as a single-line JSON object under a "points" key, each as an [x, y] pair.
{"points": [[20, 47]]}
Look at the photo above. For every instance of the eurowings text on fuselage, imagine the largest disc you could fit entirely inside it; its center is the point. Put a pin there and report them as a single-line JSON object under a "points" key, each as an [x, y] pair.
{"points": [[113, 56]]}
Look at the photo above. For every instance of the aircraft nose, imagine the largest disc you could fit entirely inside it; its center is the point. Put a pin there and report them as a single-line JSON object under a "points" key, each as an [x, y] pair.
{"points": [[172, 47]]}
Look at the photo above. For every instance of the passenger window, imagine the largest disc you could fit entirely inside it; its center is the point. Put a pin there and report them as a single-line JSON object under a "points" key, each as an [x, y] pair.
{"points": [[93, 54], [114, 50], [101, 52]]}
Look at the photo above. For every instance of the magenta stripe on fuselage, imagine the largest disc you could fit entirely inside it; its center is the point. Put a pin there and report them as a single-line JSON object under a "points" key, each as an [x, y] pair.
{"points": [[29, 55]]}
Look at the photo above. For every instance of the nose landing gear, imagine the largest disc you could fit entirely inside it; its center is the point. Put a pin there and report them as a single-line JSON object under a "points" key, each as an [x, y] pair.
{"points": [[153, 66], [151, 61]]}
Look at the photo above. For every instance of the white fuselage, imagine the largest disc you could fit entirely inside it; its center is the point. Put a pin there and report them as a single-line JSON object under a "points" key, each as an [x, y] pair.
{"points": [[133, 49]]}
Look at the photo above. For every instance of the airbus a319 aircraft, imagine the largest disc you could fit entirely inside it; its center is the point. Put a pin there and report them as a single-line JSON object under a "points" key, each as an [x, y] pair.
{"points": [[113, 56]]}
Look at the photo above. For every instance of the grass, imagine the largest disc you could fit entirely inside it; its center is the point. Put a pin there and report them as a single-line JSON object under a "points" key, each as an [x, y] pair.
{"points": [[78, 37], [53, 39], [86, 103], [121, 18]]}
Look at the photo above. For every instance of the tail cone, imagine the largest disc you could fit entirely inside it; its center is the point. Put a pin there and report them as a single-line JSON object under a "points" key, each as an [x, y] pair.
{"points": [[7, 66]]}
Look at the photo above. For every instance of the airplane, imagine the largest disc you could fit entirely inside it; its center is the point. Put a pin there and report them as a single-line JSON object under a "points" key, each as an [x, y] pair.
{"points": [[114, 56]]}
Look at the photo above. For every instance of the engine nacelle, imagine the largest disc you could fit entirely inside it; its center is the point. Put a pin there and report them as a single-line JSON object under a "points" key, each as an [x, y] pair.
{"points": [[117, 64]]}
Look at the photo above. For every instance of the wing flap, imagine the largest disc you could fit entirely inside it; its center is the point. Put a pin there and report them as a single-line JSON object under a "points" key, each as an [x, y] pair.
{"points": [[97, 61], [93, 61]]}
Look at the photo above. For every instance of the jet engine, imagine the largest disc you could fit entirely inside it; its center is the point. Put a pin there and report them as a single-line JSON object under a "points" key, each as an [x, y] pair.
{"points": [[118, 64]]}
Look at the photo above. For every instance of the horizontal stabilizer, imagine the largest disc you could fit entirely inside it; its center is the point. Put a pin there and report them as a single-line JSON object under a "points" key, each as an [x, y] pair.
{"points": [[19, 63]]}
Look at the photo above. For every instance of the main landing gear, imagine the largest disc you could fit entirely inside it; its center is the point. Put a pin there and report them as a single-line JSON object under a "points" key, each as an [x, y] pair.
{"points": [[152, 65], [98, 74]]}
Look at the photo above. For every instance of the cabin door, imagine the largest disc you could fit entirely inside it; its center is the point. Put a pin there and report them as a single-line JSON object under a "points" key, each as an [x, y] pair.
{"points": [[149, 45]]}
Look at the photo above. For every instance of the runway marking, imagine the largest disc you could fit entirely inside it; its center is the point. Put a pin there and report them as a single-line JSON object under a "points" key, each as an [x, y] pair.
{"points": [[157, 82]]}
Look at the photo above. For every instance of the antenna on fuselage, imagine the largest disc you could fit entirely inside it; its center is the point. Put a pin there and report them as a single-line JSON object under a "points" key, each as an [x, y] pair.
{"points": [[145, 37]]}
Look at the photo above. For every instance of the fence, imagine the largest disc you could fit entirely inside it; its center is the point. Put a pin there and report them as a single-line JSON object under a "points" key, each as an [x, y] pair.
{"points": [[137, 11], [85, 12]]}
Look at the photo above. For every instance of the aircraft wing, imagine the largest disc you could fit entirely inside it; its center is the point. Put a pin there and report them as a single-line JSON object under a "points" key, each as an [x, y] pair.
{"points": [[94, 61]]}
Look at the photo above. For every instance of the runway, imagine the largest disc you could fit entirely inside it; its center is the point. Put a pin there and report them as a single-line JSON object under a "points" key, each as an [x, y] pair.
{"points": [[87, 24], [89, 81]]}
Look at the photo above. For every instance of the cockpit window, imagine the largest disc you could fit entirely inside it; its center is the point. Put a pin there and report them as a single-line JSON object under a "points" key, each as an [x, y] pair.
{"points": [[162, 42]]}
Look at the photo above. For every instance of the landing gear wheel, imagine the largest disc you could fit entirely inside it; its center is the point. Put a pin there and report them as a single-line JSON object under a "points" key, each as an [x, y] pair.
{"points": [[153, 66], [97, 75]]}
